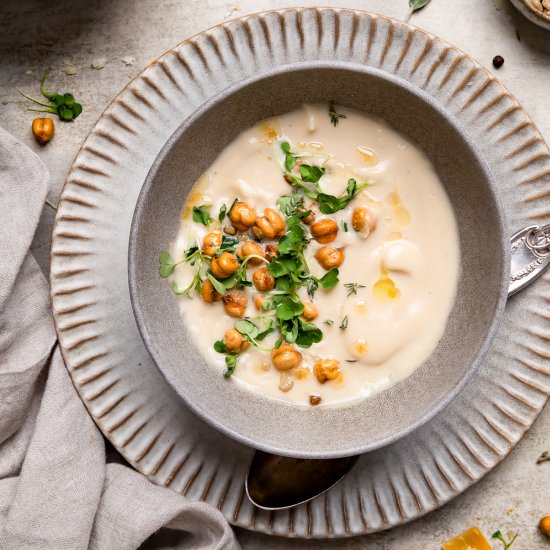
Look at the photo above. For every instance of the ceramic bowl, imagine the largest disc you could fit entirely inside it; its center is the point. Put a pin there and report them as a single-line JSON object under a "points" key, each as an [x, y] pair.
{"points": [[320, 432], [532, 25]]}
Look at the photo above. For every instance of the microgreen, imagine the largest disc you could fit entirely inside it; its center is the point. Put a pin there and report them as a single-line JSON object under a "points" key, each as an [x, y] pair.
{"points": [[344, 226], [64, 105], [334, 116], [228, 244], [220, 346], [328, 204], [311, 173], [167, 264], [351, 360], [202, 215], [223, 212], [328, 322], [218, 286], [329, 279], [230, 359], [498, 535], [344, 323], [289, 308], [352, 288], [290, 204], [177, 290], [231, 362], [544, 457]]}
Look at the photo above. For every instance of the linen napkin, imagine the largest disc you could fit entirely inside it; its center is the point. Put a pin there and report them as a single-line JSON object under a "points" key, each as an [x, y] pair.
{"points": [[56, 489]]}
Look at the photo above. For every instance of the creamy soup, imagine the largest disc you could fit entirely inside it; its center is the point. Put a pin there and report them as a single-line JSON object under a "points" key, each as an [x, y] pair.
{"points": [[360, 294]]}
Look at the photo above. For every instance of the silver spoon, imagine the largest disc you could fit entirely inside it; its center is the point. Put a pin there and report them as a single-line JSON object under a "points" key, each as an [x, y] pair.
{"points": [[276, 482]]}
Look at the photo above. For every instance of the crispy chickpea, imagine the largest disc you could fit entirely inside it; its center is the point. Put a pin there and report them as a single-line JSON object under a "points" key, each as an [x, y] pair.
{"points": [[208, 293], [330, 257], [43, 130], [211, 242], [544, 525], [259, 302], [324, 231], [363, 221], [263, 280], [269, 226], [310, 218], [235, 341], [286, 357], [242, 216], [310, 311], [251, 248], [224, 265], [314, 399], [235, 304], [271, 251], [326, 369]]}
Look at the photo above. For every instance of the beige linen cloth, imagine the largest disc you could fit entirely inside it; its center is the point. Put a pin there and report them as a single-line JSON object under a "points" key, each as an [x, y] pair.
{"points": [[56, 489]]}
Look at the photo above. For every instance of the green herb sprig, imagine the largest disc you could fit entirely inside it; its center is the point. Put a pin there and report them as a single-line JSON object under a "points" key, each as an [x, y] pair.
{"points": [[334, 116], [64, 105], [352, 288]]}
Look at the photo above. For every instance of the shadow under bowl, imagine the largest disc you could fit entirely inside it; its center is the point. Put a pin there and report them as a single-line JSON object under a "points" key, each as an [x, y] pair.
{"points": [[322, 432]]}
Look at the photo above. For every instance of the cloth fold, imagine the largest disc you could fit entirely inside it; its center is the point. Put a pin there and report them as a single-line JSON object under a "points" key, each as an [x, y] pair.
{"points": [[56, 489]]}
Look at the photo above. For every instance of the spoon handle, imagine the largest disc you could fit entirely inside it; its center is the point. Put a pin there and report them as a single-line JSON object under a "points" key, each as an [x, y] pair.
{"points": [[530, 256]]}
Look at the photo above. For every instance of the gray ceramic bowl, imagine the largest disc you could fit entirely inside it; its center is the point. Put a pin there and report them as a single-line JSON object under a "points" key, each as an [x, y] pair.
{"points": [[532, 25], [322, 432]]}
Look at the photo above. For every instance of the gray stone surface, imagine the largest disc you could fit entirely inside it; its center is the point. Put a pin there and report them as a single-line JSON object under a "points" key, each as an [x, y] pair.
{"points": [[34, 35]]}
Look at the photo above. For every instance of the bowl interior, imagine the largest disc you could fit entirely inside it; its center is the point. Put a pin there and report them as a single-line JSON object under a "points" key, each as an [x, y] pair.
{"points": [[363, 425]]}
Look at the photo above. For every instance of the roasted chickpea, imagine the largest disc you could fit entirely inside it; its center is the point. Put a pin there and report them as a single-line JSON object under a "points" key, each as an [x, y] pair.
{"points": [[235, 304], [251, 248], [286, 357], [324, 231], [314, 399], [224, 265], [271, 251], [259, 302], [544, 525], [235, 341], [43, 130], [363, 221], [310, 311], [269, 226], [263, 280], [211, 242], [330, 257], [310, 218], [242, 216], [326, 369], [208, 293]]}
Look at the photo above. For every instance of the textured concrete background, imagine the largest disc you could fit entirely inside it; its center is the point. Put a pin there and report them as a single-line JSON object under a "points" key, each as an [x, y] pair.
{"points": [[35, 34]]}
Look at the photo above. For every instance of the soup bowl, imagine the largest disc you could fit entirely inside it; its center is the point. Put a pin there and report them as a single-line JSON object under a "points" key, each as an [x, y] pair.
{"points": [[362, 425]]}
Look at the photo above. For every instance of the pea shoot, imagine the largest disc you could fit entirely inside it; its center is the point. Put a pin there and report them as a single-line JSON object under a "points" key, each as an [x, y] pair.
{"points": [[63, 105], [498, 535], [202, 215]]}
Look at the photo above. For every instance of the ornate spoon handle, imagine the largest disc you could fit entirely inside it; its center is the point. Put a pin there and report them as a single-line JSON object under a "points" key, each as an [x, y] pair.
{"points": [[530, 256]]}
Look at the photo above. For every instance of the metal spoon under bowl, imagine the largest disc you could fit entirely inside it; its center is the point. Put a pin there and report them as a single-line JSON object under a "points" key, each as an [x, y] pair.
{"points": [[276, 482]]}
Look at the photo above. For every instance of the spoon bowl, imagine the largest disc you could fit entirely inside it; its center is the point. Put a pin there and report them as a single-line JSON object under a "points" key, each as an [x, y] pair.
{"points": [[276, 482]]}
